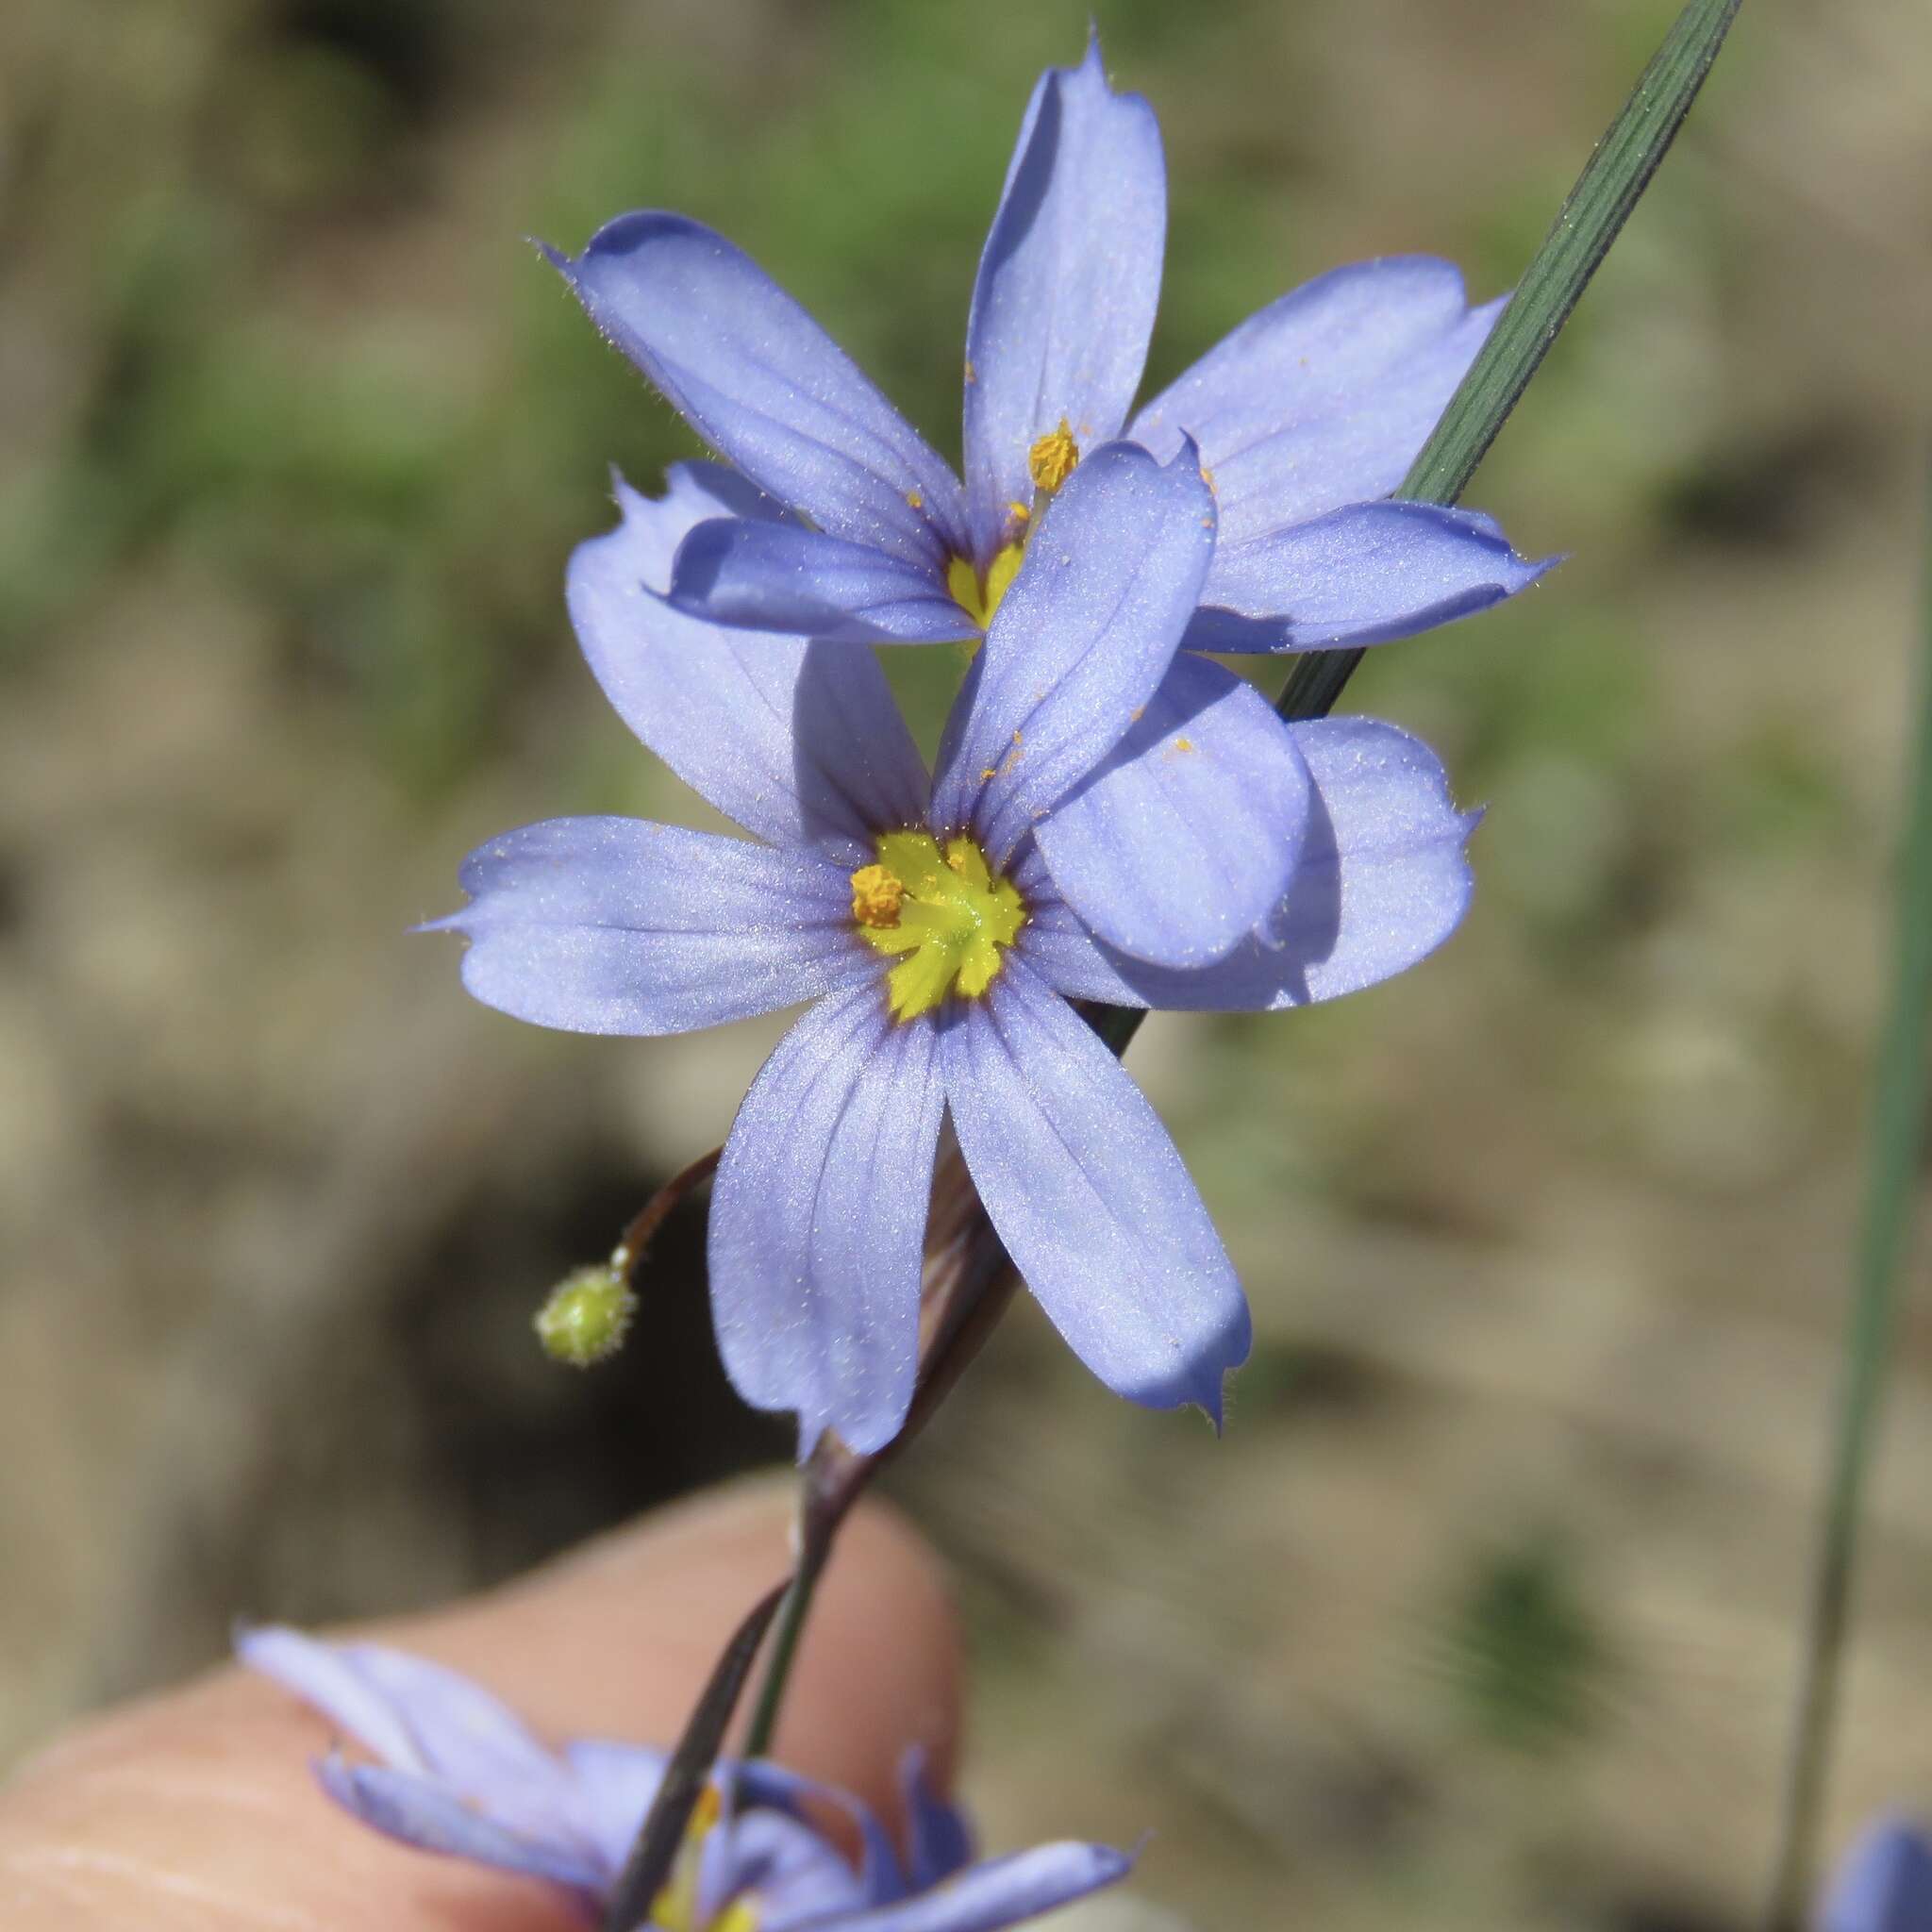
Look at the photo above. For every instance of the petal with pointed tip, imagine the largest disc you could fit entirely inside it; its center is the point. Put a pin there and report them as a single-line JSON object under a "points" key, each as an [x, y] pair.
{"points": [[1365, 575], [1067, 288], [764, 385], [618, 926], [326, 1676], [1083, 1185]]}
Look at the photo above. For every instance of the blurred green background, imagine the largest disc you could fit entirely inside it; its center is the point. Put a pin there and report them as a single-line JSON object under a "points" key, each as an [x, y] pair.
{"points": [[1483, 1612]]}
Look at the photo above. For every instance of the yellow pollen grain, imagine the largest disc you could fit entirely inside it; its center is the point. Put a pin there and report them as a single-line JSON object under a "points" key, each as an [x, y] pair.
{"points": [[1183, 744], [1051, 460], [918, 502], [876, 896]]}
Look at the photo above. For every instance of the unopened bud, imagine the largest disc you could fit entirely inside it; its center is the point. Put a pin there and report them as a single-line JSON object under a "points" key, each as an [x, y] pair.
{"points": [[585, 1317]]}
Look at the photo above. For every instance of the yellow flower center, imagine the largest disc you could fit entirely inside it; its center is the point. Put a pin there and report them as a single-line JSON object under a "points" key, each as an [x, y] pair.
{"points": [[943, 911]]}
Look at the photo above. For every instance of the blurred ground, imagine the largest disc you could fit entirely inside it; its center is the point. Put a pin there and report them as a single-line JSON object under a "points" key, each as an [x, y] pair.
{"points": [[1482, 1614]]}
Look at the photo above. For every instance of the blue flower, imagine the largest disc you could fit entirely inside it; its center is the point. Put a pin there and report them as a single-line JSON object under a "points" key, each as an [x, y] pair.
{"points": [[457, 1772], [1305, 416], [1884, 1884], [940, 944]]}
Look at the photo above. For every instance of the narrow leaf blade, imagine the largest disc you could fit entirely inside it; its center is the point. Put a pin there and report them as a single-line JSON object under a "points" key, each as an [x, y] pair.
{"points": [[1590, 220]]}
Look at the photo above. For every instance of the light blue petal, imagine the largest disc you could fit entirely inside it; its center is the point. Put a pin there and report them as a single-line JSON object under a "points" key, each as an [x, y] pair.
{"points": [[326, 1676], [1359, 575], [1083, 1185], [473, 1742], [793, 1873], [1382, 880], [615, 1784], [1327, 395], [818, 1219], [764, 385], [763, 1782], [1884, 1883], [1007, 1891], [1079, 644], [800, 742], [433, 1818], [784, 577], [939, 1835], [1067, 288], [430, 1722], [1185, 837], [618, 926]]}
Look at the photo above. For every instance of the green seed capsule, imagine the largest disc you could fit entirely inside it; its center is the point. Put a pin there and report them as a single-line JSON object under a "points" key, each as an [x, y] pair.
{"points": [[585, 1317]]}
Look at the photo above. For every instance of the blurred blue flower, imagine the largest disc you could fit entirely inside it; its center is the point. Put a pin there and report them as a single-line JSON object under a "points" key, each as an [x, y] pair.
{"points": [[1305, 418], [1884, 1883], [942, 935], [457, 1772]]}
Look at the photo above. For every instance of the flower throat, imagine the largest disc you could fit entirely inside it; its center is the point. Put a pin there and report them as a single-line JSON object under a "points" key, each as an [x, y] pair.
{"points": [[943, 911], [1049, 462]]}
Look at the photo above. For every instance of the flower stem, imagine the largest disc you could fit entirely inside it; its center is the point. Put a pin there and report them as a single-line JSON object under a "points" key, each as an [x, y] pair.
{"points": [[972, 1280], [655, 1849], [792, 1615], [1897, 1135]]}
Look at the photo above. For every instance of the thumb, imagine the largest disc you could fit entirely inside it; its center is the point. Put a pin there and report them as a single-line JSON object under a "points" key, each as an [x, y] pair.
{"points": [[198, 1804]]}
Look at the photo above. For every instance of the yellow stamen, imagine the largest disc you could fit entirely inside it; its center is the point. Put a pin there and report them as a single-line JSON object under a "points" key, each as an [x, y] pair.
{"points": [[876, 895], [953, 920], [1051, 459]]}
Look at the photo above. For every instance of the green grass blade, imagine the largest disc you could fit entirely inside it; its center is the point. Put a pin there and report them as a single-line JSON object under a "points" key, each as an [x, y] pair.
{"points": [[1591, 218], [1897, 1139]]}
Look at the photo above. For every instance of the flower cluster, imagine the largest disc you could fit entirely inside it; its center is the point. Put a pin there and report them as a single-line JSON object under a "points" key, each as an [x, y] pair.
{"points": [[455, 1772], [1114, 816]]}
